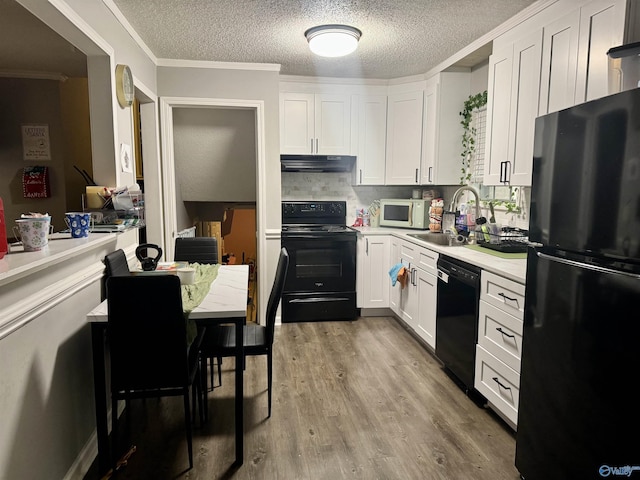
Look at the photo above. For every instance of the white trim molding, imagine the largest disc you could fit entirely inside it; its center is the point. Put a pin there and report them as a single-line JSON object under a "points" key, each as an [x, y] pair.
{"points": [[171, 62]]}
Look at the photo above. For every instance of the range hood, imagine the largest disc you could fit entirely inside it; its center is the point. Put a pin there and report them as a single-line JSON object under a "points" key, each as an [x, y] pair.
{"points": [[316, 163]]}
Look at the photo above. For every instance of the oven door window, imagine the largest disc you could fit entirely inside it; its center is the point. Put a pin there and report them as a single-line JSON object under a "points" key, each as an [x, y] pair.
{"points": [[318, 265]]}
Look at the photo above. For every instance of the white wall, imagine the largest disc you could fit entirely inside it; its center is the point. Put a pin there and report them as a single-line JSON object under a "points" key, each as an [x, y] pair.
{"points": [[215, 154], [239, 85], [46, 390]]}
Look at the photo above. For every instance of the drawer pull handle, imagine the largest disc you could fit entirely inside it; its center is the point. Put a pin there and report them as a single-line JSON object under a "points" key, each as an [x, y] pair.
{"points": [[505, 333], [495, 379], [509, 298]]}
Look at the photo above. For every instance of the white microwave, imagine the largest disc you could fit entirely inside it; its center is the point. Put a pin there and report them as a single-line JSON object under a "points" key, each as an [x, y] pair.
{"points": [[404, 213]]}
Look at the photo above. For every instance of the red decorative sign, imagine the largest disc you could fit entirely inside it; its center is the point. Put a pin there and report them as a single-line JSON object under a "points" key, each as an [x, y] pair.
{"points": [[35, 182]]}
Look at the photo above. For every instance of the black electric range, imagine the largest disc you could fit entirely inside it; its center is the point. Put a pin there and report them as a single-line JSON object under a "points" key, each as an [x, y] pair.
{"points": [[321, 279]]}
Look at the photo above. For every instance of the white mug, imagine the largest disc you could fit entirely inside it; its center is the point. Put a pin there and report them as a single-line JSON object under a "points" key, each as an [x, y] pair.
{"points": [[33, 232]]}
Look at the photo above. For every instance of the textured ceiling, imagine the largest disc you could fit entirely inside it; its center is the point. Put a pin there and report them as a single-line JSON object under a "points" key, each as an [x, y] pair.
{"points": [[400, 37]]}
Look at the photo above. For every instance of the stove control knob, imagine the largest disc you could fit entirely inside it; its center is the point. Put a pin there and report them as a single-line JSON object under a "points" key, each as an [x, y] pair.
{"points": [[288, 209]]}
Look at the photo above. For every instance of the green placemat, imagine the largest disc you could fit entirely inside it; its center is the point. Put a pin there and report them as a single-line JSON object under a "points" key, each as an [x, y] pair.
{"points": [[192, 295], [496, 253]]}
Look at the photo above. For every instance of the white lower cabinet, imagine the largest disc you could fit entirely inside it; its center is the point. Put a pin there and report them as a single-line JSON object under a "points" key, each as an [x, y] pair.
{"points": [[394, 292], [499, 348], [427, 285], [415, 304], [499, 384], [373, 271]]}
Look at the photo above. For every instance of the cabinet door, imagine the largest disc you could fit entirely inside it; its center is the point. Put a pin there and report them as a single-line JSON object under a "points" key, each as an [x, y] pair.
{"points": [[559, 63], [429, 133], [427, 303], [372, 135], [410, 300], [394, 293], [498, 112], [511, 116], [601, 27], [525, 91], [375, 277], [404, 138], [296, 123], [332, 124]]}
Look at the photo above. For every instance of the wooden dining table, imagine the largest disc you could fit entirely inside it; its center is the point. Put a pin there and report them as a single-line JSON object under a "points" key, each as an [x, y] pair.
{"points": [[226, 302]]}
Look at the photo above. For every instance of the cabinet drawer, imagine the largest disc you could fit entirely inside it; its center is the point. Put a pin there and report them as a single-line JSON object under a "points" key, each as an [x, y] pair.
{"points": [[500, 334], [408, 252], [498, 383], [428, 261], [505, 294]]}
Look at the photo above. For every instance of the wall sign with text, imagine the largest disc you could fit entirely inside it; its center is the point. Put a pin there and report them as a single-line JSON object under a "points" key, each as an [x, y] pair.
{"points": [[36, 142]]}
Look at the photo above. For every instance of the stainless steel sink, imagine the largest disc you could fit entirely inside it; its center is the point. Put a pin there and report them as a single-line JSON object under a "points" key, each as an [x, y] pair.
{"points": [[437, 238]]}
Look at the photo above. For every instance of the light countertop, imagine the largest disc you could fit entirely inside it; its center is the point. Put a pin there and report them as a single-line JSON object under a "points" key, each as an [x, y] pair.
{"points": [[61, 248], [513, 269]]}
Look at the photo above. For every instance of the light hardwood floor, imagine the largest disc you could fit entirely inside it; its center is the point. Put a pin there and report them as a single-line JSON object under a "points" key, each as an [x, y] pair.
{"points": [[351, 400]]}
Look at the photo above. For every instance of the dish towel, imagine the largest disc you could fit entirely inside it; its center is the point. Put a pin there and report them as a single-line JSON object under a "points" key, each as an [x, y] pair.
{"points": [[398, 273]]}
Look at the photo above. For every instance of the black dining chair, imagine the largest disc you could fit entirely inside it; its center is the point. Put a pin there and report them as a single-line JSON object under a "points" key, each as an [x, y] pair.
{"points": [[149, 350], [116, 264], [196, 250], [258, 339]]}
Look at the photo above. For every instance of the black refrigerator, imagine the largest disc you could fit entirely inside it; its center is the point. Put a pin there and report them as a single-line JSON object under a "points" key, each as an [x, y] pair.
{"points": [[579, 410]]}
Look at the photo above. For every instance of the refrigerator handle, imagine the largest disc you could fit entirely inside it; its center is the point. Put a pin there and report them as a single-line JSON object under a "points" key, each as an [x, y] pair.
{"points": [[587, 266]]}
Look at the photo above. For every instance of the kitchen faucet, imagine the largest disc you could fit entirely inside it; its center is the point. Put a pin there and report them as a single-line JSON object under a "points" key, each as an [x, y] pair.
{"points": [[458, 192]]}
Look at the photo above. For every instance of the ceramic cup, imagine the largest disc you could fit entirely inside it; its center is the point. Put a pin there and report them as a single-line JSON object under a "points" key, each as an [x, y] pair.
{"points": [[187, 275], [33, 232], [79, 223]]}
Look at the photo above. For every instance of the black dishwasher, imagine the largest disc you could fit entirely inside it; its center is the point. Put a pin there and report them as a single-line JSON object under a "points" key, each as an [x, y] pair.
{"points": [[457, 318]]}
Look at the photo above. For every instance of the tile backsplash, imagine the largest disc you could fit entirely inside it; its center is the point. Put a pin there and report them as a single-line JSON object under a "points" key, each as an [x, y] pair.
{"points": [[338, 186]]}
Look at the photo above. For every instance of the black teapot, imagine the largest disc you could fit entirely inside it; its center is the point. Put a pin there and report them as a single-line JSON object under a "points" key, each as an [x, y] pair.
{"points": [[148, 263]]}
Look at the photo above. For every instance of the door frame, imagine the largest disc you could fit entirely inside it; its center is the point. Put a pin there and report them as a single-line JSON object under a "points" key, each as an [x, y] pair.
{"points": [[167, 104]]}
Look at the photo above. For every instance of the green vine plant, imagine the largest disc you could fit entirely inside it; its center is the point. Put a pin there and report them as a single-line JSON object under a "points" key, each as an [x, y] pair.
{"points": [[474, 102], [510, 205]]}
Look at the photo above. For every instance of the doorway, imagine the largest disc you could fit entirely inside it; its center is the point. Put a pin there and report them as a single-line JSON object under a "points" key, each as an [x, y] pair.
{"points": [[168, 110]]}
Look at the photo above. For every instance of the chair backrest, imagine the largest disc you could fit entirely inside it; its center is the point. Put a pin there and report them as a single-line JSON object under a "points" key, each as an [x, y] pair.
{"points": [[147, 333], [276, 293], [196, 249], [116, 264]]}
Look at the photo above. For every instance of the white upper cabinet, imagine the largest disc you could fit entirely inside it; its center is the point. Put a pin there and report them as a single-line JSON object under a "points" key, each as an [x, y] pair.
{"points": [[444, 98], [602, 26], [318, 124], [404, 137], [574, 55], [512, 106], [559, 60], [372, 139], [296, 122], [555, 60]]}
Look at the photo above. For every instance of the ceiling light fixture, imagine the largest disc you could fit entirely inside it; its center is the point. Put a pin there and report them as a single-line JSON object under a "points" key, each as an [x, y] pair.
{"points": [[333, 40]]}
